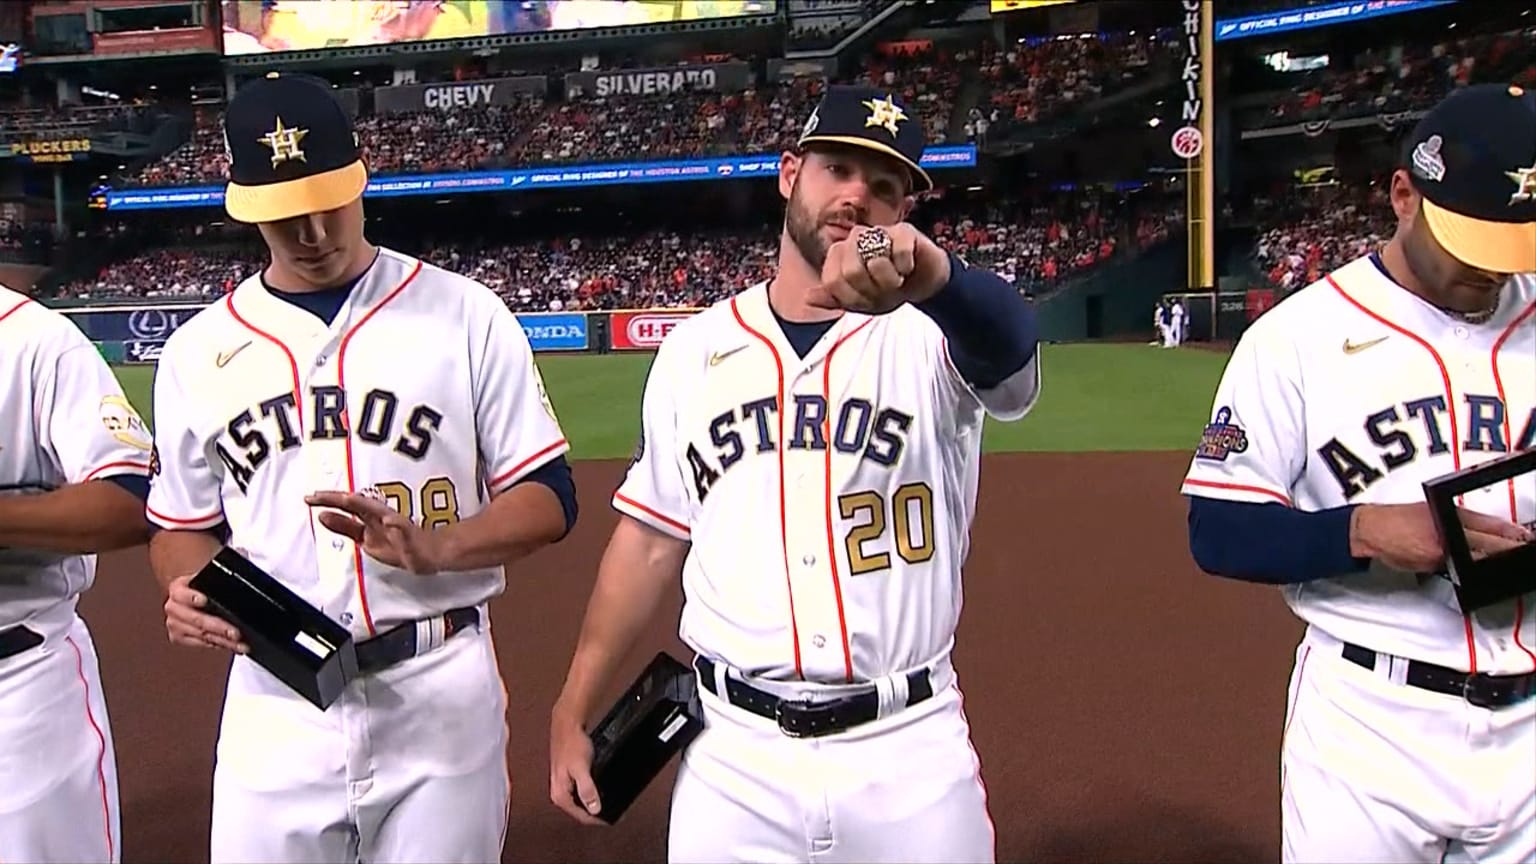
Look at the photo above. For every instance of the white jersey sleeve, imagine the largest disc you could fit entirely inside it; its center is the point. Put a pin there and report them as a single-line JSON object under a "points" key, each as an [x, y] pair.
{"points": [[185, 490], [515, 421], [1254, 447], [654, 490], [94, 432], [1013, 397]]}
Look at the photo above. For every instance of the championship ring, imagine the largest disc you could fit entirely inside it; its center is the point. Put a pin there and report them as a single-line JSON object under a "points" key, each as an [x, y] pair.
{"points": [[874, 243], [1487, 580]]}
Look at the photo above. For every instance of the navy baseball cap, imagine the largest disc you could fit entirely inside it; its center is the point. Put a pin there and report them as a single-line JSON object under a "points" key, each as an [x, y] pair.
{"points": [[1473, 159], [292, 150], [872, 119]]}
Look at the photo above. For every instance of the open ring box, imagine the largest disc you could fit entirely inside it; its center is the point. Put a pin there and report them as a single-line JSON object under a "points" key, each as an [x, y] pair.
{"points": [[1500, 577], [287, 635]]}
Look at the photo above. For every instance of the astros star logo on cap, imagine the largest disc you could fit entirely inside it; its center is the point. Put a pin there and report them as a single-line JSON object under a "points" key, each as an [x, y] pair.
{"points": [[884, 113], [284, 143], [1525, 184]]}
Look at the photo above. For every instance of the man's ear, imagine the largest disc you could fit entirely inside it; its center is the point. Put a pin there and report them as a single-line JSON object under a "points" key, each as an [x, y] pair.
{"points": [[789, 169]]}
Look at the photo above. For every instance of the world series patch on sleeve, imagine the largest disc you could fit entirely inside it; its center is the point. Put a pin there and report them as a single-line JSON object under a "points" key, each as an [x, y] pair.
{"points": [[1221, 438]]}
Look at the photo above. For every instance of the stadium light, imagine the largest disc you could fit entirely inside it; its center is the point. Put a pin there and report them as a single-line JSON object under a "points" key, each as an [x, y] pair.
{"points": [[1155, 122]]}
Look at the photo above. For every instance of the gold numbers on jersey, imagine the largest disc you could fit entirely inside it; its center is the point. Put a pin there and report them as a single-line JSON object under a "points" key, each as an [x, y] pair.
{"points": [[437, 501], [911, 507]]}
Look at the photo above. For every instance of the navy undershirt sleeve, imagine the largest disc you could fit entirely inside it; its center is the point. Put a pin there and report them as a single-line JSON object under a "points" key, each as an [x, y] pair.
{"points": [[556, 475], [136, 485], [991, 328], [1270, 543]]}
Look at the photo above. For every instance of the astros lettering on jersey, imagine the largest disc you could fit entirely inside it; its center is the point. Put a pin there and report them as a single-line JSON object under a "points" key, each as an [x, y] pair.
{"points": [[813, 488], [1356, 391], [259, 402]]}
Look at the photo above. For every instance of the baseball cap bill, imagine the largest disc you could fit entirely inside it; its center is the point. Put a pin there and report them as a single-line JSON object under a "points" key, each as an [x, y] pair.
{"points": [[874, 120], [1473, 159], [292, 150]]}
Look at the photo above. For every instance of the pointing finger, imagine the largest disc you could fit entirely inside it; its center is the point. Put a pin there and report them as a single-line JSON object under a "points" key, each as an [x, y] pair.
{"points": [[344, 525]]}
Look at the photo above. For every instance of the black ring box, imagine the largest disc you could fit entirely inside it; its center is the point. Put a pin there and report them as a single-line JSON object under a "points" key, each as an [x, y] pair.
{"points": [[1496, 578], [656, 718], [287, 635]]}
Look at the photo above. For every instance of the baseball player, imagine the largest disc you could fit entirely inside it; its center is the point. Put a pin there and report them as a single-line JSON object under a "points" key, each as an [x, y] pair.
{"points": [[72, 484], [1410, 728], [808, 469], [402, 404], [1176, 323], [1159, 324]]}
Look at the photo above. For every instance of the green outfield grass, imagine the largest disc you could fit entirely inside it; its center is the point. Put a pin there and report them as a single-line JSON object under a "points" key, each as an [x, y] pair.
{"points": [[1095, 397]]}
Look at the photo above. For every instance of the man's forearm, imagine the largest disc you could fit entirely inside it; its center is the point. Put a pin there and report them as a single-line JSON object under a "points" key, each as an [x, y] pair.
{"points": [[175, 554], [637, 568], [79, 519], [516, 523]]}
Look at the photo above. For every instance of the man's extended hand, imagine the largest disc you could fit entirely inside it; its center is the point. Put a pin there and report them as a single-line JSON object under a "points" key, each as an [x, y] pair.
{"points": [[915, 270], [382, 532]]}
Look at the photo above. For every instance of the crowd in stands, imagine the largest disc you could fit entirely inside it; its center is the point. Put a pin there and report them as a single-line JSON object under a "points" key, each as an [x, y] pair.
{"points": [[1034, 244], [23, 242], [1038, 81], [1314, 230], [1408, 77], [1023, 83]]}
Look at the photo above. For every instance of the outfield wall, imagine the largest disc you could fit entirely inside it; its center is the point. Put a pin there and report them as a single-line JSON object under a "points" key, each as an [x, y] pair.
{"points": [[1116, 307], [129, 334]]}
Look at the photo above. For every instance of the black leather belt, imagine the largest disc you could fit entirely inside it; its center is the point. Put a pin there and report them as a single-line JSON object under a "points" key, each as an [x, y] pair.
{"points": [[398, 644], [804, 718], [1480, 689], [15, 640]]}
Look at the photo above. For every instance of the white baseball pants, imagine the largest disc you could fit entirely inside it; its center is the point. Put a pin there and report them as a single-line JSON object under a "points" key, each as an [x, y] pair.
{"points": [[409, 765], [904, 788], [58, 768], [1378, 771]]}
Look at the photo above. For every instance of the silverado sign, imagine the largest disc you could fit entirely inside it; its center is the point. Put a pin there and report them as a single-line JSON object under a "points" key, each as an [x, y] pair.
{"points": [[720, 77]]}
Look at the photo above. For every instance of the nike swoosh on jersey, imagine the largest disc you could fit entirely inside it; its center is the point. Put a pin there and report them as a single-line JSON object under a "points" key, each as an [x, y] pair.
{"points": [[1357, 347], [226, 356], [716, 358]]}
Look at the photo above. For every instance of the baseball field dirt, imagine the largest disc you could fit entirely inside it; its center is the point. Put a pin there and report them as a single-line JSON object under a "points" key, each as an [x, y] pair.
{"points": [[1125, 706]]}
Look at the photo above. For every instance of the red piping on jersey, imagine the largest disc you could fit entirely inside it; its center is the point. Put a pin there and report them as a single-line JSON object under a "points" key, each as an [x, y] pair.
{"points": [[826, 432], [513, 471], [1450, 408], [1519, 620], [13, 309], [211, 517], [652, 512], [110, 465], [293, 365], [1239, 487], [346, 421], [778, 362], [1498, 383], [101, 743]]}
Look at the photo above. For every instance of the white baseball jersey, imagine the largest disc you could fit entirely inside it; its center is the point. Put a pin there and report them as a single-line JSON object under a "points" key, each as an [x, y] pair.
{"points": [[1355, 391], [828, 500], [69, 423], [424, 386]]}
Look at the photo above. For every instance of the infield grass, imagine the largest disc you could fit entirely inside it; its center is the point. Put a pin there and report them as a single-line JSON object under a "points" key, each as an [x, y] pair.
{"points": [[1094, 397]]}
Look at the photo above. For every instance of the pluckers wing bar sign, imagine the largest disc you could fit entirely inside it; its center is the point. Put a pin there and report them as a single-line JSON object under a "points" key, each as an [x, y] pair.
{"points": [[50, 150]]}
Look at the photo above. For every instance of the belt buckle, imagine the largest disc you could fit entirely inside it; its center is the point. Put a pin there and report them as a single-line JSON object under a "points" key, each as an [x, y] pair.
{"points": [[803, 708], [1480, 692]]}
